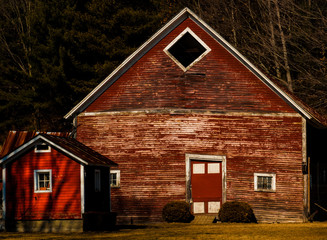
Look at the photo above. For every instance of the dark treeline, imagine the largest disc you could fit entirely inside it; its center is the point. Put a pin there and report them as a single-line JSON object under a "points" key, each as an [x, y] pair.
{"points": [[52, 53]]}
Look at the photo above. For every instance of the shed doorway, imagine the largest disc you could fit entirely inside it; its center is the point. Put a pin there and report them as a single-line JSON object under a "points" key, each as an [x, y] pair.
{"points": [[205, 183]]}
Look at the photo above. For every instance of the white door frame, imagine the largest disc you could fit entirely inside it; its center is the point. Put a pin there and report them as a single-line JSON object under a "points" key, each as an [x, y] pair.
{"points": [[199, 157]]}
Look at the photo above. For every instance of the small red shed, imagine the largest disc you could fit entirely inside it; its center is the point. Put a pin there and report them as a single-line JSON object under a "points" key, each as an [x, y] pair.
{"points": [[54, 183]]}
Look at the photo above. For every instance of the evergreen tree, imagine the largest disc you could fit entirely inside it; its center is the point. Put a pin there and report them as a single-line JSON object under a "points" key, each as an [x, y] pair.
{"points": [[53, 53]]}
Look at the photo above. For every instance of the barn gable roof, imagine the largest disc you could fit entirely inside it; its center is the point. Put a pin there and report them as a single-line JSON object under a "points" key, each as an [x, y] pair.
{"points": [[288, 97], [68, 146]]}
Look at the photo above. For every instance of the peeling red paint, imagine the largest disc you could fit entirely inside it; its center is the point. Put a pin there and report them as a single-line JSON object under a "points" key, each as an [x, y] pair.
{"points": [[150, 151]]}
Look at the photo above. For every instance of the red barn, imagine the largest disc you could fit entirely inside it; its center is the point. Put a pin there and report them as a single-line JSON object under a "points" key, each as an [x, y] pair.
{"points": [[187, 117], [53, 183]]}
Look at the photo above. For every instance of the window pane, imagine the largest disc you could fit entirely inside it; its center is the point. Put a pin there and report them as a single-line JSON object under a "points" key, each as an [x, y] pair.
{"points": [[113, 179], [41, 176], [43, 181], [97, 183], [42, 147], [264, 182], [269, 181], [187, 49], [260, 182]]}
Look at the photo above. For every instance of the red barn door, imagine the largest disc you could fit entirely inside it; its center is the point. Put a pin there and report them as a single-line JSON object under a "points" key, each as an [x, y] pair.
{"points": [[206, 186]]}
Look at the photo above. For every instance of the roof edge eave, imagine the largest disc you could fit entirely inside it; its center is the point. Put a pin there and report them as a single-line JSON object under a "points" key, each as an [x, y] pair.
{"points": [[26, 146], [128, 62], [168, 27]]}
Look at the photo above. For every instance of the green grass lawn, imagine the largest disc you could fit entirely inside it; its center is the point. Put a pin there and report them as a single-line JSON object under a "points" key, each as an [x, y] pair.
{"points": [[193, 231]]}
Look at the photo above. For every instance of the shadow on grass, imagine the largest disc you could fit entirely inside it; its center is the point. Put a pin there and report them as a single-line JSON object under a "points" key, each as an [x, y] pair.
{"points": [[117, 228], [121, 227]]}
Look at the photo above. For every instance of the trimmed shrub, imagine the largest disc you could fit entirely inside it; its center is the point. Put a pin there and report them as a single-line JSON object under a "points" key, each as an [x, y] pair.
{"points": [[177, 211], [240, 212]]}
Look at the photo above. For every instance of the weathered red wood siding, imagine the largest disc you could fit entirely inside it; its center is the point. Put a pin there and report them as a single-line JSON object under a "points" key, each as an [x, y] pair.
{"points": [[252, 126], [155, 81], [150, 149], [64, 202]]}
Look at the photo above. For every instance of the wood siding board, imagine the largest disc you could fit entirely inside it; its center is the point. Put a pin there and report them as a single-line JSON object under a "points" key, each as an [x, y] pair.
{"points": [[150, 149]]}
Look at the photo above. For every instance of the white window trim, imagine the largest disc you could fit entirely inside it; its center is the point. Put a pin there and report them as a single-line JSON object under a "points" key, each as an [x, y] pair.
{"points": [[82, 176], [196, 60], [36, 180], [273, 183], [42, 151], [97, 180], [118, 178]]}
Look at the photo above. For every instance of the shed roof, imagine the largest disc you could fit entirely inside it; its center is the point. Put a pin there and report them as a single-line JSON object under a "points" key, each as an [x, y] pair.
{"points": [[293, 101], [17, 138], [68, 146]]}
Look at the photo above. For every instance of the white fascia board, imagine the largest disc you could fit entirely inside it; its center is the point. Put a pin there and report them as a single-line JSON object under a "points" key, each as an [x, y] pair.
{"points": [[82, 176], [130, 61], [250, 66], [64, 151], [108, 81], [19, 150], [26, 146]]}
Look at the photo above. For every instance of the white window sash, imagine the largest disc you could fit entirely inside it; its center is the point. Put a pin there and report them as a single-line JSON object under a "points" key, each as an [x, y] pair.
{"points": [[37, 180], [265, 175], [42, 150], [117, 173]]}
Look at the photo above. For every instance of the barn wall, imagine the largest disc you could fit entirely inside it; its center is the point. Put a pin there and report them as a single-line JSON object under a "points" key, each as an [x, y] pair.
{"points": [[221, 108], [150, 149], [217, 82], [64, 202]]}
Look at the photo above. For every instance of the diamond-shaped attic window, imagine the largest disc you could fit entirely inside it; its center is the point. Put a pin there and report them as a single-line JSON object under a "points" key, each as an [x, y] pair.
{"points": [[187, 49]]}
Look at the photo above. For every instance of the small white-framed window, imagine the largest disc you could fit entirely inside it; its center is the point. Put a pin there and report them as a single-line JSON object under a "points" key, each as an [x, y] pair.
{"points": [[265, 182], [115, 178], [42, 147], [97, 180], [187, 49], [43, 180]]}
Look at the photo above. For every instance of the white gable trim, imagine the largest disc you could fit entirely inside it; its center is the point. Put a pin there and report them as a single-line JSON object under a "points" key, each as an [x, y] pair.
{"points": [[187, 30], [185, 13], [250, 66], [133, 58], [23, 148], [82, 176]]}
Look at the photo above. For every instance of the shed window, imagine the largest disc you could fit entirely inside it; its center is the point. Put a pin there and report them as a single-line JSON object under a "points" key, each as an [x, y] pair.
{"points": [[97, 180], [186, 49], [115, 178], [39, 148], [265, 182], [43, 180]]}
